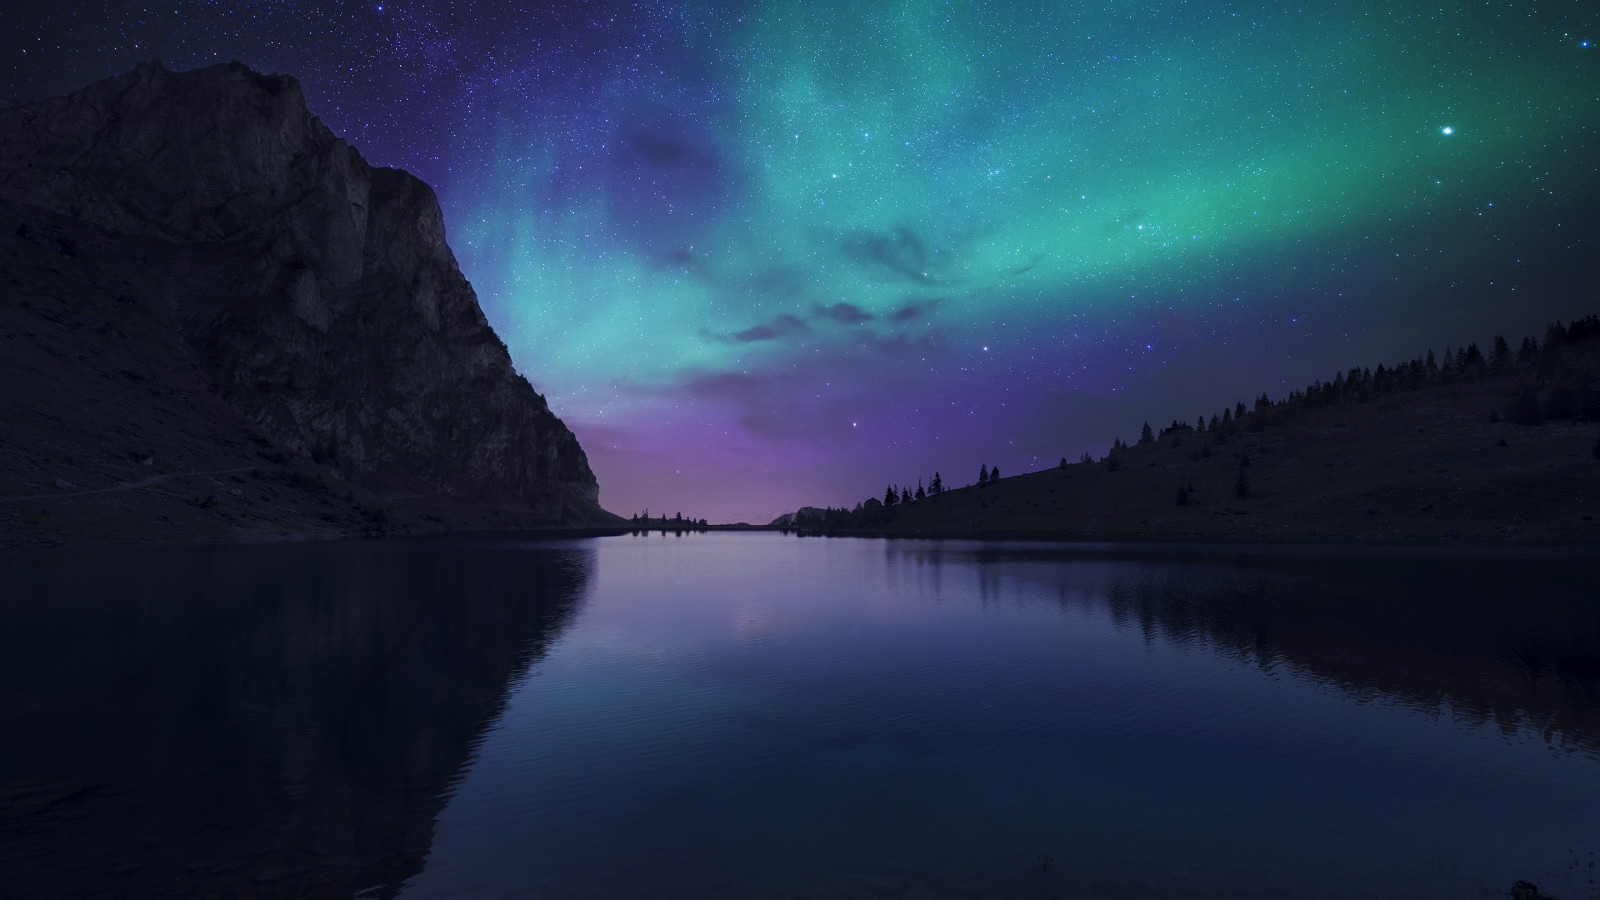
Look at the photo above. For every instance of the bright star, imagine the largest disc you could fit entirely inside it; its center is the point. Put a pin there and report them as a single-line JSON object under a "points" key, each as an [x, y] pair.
{"points": [[1447, 130]]}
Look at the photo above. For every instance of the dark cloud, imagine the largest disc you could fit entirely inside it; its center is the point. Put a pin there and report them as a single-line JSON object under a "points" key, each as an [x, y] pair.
{"points": [[901, 251], [844, 313], [913, 311], [780, 326], [659, 147], [666, 179], [726, 386], [1034, 261]]}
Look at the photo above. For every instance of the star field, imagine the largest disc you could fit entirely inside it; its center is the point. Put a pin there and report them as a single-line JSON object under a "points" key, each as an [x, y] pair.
{"points": [[766, 255]]}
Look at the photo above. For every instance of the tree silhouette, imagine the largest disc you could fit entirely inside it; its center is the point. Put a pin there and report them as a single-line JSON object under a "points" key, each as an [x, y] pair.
{"points": [[1525, 409], [889, 496], [1588, 404], [920, 493], [1146, 435], [1560, 403], [983, 475], [1502, 353], [994, 475], [938, 484]]}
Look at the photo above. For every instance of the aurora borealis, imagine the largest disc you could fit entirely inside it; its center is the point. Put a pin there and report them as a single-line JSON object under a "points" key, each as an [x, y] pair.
{"points": [[760, 256]]}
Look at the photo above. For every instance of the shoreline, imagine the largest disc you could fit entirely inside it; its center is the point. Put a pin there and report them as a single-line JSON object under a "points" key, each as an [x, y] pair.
{"points": [[1335, 545]]}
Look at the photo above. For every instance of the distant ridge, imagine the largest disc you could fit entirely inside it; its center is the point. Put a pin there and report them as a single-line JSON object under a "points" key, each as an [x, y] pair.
{"points": [[204, 279], [1502, 445]]}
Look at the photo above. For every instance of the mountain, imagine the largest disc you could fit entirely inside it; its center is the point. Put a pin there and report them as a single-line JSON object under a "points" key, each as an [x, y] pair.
{"points": [[1498, 447], [220, 321]]}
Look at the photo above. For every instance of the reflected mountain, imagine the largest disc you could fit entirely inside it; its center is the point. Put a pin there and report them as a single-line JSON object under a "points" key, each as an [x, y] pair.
{"points": [[255, 721], [1509, 640]]}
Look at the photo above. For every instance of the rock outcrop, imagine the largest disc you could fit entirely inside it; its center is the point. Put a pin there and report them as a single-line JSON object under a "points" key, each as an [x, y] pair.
{"points": [[799, 517], [314, 292]]}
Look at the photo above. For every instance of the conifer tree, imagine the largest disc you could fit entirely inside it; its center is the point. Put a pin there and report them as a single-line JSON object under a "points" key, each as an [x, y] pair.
{"points": [[1554, 336], [1145, 434], [994, 475], [1561, 403], [889, 496], [920, 494], [1502, 353], [1525, 409], [1528, 350], [905, 495], [983, 475], [1588, 404], [938, 484]]}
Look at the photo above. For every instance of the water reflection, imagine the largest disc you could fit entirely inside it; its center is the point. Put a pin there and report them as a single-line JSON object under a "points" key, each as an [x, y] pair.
{"points": [[1513, 641], [254, 721]]}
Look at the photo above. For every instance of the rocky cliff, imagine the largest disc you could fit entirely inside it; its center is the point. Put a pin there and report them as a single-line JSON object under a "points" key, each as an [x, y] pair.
{"points": [[309, 292]]}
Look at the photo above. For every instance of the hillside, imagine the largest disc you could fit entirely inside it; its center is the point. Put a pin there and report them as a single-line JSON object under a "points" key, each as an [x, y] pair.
{"points": [[1413, 453], [220, 322]]}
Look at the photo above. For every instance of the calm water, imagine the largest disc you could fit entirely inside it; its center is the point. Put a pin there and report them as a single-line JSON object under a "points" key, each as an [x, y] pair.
{"points": [[766, 716]]}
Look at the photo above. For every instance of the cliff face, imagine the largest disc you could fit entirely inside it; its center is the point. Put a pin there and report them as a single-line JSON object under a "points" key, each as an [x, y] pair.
{"points": [[314, 292]]}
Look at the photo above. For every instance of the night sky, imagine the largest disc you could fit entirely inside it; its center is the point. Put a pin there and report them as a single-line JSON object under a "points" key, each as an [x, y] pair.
{"points": [[761, 256]]}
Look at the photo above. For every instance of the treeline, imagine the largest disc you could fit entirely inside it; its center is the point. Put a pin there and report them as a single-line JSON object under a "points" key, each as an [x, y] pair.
{"points": [[1557, 377], [643, 522], [1557, 384], [876, 512]]}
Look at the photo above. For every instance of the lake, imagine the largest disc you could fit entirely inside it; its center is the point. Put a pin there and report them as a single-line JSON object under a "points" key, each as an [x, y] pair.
{"points": [[759, 715]]}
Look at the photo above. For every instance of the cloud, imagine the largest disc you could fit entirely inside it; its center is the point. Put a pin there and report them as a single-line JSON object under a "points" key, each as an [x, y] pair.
{"points": [[913, 311], [844, 313], [780, 326], [726, 386], [900, 251]]}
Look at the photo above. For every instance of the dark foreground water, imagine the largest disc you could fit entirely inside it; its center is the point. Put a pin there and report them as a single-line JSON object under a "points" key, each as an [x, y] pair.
{"points": [[765, 716]]}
